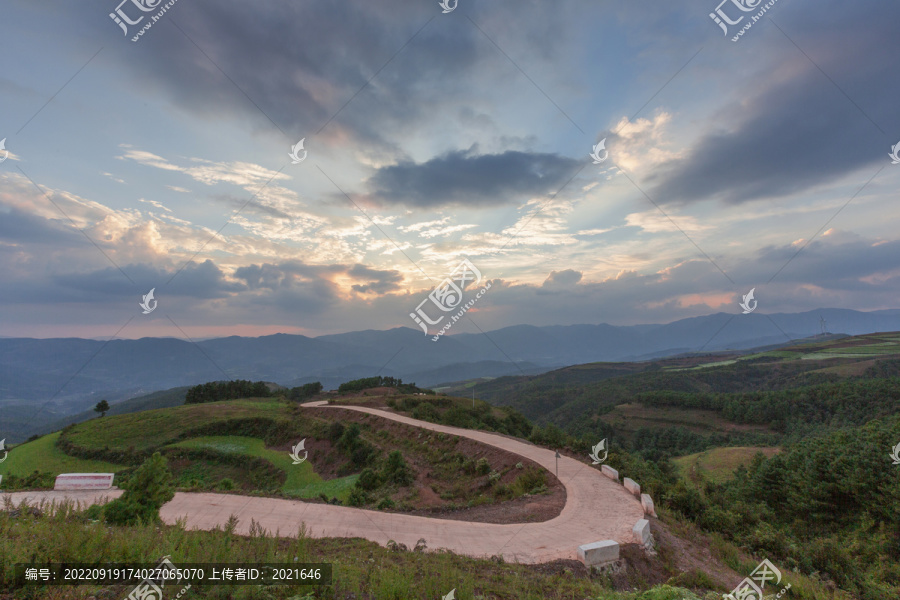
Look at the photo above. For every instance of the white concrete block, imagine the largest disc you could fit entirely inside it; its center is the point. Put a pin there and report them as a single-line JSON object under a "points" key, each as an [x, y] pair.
{"points": [[598, 553], [647, 503], [84, 481], [610, 472], [641, 532], [632, 486]]}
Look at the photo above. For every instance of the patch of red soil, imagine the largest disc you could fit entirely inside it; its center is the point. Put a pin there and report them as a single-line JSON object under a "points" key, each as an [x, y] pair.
{"points": [[427, 502]]}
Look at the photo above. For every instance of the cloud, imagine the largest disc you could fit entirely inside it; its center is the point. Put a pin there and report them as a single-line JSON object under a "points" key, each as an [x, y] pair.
{"points": [[378, 282], [469, 179], [562, 279], [797, 129]]}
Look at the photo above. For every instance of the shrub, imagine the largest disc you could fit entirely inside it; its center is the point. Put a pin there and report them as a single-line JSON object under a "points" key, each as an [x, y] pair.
{"points": [[530, 481], [457, 417], [226, 484], [385, 503], [686, 500], [425, 412], [357, 497], [482, 467], [503, 492], [148, 488], [396, 470], [362, 454], [126, 512], [368, 480], [335, 431], [349, 438]]}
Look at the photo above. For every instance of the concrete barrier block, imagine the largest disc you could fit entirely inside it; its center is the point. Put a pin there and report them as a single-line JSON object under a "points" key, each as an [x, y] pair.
{"points": [[598, 553], [641, 532], [610, 472], [84, 481], [647, 503], [632, 486]]}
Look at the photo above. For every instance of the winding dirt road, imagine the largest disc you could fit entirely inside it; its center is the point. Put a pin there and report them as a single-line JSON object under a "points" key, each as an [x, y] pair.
{"points": [[597, 508]]}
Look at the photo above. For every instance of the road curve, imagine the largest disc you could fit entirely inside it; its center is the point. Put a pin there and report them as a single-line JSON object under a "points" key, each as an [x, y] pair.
{"points": [[597, 508]]}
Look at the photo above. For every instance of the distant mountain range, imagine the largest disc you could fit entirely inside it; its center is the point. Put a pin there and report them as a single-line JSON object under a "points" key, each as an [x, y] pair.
{"points": [[61, 377]]}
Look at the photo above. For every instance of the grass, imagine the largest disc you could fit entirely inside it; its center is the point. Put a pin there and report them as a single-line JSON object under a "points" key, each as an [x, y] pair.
{"points": [[362, 570], [718, 464], [152, 428], [302, 481], [43, 455]]}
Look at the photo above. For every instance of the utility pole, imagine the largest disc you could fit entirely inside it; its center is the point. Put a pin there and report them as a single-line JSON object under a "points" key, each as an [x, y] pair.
{"points": [[557, 464]]}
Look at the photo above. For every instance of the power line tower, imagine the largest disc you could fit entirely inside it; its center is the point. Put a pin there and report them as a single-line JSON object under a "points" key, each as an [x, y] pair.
{"points": [[823, 325]]}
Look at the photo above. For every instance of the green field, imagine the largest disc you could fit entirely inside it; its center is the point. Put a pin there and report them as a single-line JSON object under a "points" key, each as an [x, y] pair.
{"points": [[718, 464], [152, 428], [43, 455], [302, 481]]}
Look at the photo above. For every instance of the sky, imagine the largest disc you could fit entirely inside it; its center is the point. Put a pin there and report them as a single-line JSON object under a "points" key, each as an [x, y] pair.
{"points": [[430, 137]]}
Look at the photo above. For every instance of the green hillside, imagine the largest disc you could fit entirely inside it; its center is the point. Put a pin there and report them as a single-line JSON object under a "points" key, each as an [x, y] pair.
{"points": [[244, 446], [719, 464], [44, 456]]}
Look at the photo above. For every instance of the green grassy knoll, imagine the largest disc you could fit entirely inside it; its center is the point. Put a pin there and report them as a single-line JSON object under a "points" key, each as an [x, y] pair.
{"points": [[302, 480], [150, 429], [43, 455], [718, 464]]}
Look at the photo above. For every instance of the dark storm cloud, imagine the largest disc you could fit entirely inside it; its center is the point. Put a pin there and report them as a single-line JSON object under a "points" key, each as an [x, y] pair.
{"points": [[292, 274], [300, 62], [465, 178], [377, 282], [282, 275], [17, 226], [290, 286], [795, 129], [203, 280], [837, 264]]}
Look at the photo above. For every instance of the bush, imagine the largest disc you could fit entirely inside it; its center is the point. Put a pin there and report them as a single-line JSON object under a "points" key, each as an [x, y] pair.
{"points": [[124, 512], [226, 484], [457, 417], [503, 492], [686, 500], [396, 470], [425, 412], [335, 431], [482, 467], [530, 481], [362, 455], [349, 438], [368, 480], [385, 503], [357, 497], [148, 488], [36, 480]]}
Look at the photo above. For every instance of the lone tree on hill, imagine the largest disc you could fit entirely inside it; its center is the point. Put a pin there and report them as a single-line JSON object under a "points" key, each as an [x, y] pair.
{"points": [[102, 407]]}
